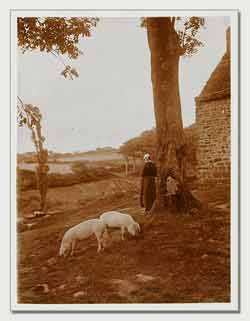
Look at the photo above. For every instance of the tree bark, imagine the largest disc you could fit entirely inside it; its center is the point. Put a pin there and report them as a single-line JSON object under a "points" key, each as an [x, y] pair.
{"points": [[165, 54]]}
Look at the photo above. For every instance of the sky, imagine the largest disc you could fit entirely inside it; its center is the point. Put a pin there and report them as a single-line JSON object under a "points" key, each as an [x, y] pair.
{"points": [[112, 100]]}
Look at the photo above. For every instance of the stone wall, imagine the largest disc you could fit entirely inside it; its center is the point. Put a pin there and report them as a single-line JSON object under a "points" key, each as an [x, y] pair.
{"points": [[213, 150]]}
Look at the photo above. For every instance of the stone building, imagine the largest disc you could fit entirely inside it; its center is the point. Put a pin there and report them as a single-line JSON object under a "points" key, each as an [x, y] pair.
{"points": [[213, 125]]}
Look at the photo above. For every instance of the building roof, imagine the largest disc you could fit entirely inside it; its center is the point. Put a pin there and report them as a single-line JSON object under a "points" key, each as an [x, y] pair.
{"points": [[218, 85]]}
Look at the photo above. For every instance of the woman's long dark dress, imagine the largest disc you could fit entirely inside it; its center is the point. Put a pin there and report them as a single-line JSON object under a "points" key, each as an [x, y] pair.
{"points": [[148, 186]]}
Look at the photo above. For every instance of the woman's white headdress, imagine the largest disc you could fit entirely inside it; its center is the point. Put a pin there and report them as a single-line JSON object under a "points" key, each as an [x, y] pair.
{"points": [[146, 157]]}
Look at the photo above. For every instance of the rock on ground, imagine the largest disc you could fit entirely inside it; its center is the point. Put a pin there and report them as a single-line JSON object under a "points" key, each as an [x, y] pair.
{"points": [[79, 294], [144, 278]]}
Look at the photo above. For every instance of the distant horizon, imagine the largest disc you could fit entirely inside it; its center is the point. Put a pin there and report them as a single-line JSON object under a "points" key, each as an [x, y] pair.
{"points": [[102, 148]]}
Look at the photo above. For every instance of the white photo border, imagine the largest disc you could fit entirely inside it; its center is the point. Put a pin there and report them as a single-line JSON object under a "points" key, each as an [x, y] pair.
{"points": [[234, 305]]}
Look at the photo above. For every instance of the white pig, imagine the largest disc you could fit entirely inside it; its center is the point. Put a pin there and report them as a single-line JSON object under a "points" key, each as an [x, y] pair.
{"points": [[80, 232], [121, 220]]}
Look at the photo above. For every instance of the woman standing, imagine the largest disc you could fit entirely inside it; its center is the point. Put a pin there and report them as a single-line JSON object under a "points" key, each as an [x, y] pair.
{"points": [[148, 186]]}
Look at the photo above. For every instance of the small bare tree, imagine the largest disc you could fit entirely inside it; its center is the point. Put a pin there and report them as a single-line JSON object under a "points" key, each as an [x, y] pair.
{"points": [[30, 116]]}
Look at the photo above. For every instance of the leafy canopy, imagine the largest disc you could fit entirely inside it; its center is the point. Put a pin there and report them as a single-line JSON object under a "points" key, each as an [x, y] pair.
{"points": [[187, 29], [56, 35], [60, 35]]}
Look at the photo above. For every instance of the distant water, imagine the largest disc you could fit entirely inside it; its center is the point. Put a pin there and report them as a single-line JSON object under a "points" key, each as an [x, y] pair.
{"points": [[93, 156], [66, 168]]}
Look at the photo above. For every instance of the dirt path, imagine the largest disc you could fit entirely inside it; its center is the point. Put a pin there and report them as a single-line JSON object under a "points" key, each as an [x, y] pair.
{"points": [[175, 259]]}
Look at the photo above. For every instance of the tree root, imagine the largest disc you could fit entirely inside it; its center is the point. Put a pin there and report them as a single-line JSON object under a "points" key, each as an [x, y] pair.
{"points": [[183, 202]]}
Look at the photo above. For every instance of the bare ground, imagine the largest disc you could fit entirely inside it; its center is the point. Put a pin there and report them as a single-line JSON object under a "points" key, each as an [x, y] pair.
{"points": [[175, 259]]}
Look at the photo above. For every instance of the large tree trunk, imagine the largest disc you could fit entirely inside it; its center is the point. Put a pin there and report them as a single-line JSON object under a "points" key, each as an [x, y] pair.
{"points": [[165, 54]]}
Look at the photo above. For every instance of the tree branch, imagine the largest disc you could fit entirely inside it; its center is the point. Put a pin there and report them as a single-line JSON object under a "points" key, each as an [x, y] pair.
{"points": [[20, 101], [183, 37]]}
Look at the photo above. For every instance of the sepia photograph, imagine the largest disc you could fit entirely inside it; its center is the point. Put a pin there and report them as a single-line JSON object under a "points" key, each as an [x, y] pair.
{"points": [[124, 160]]}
